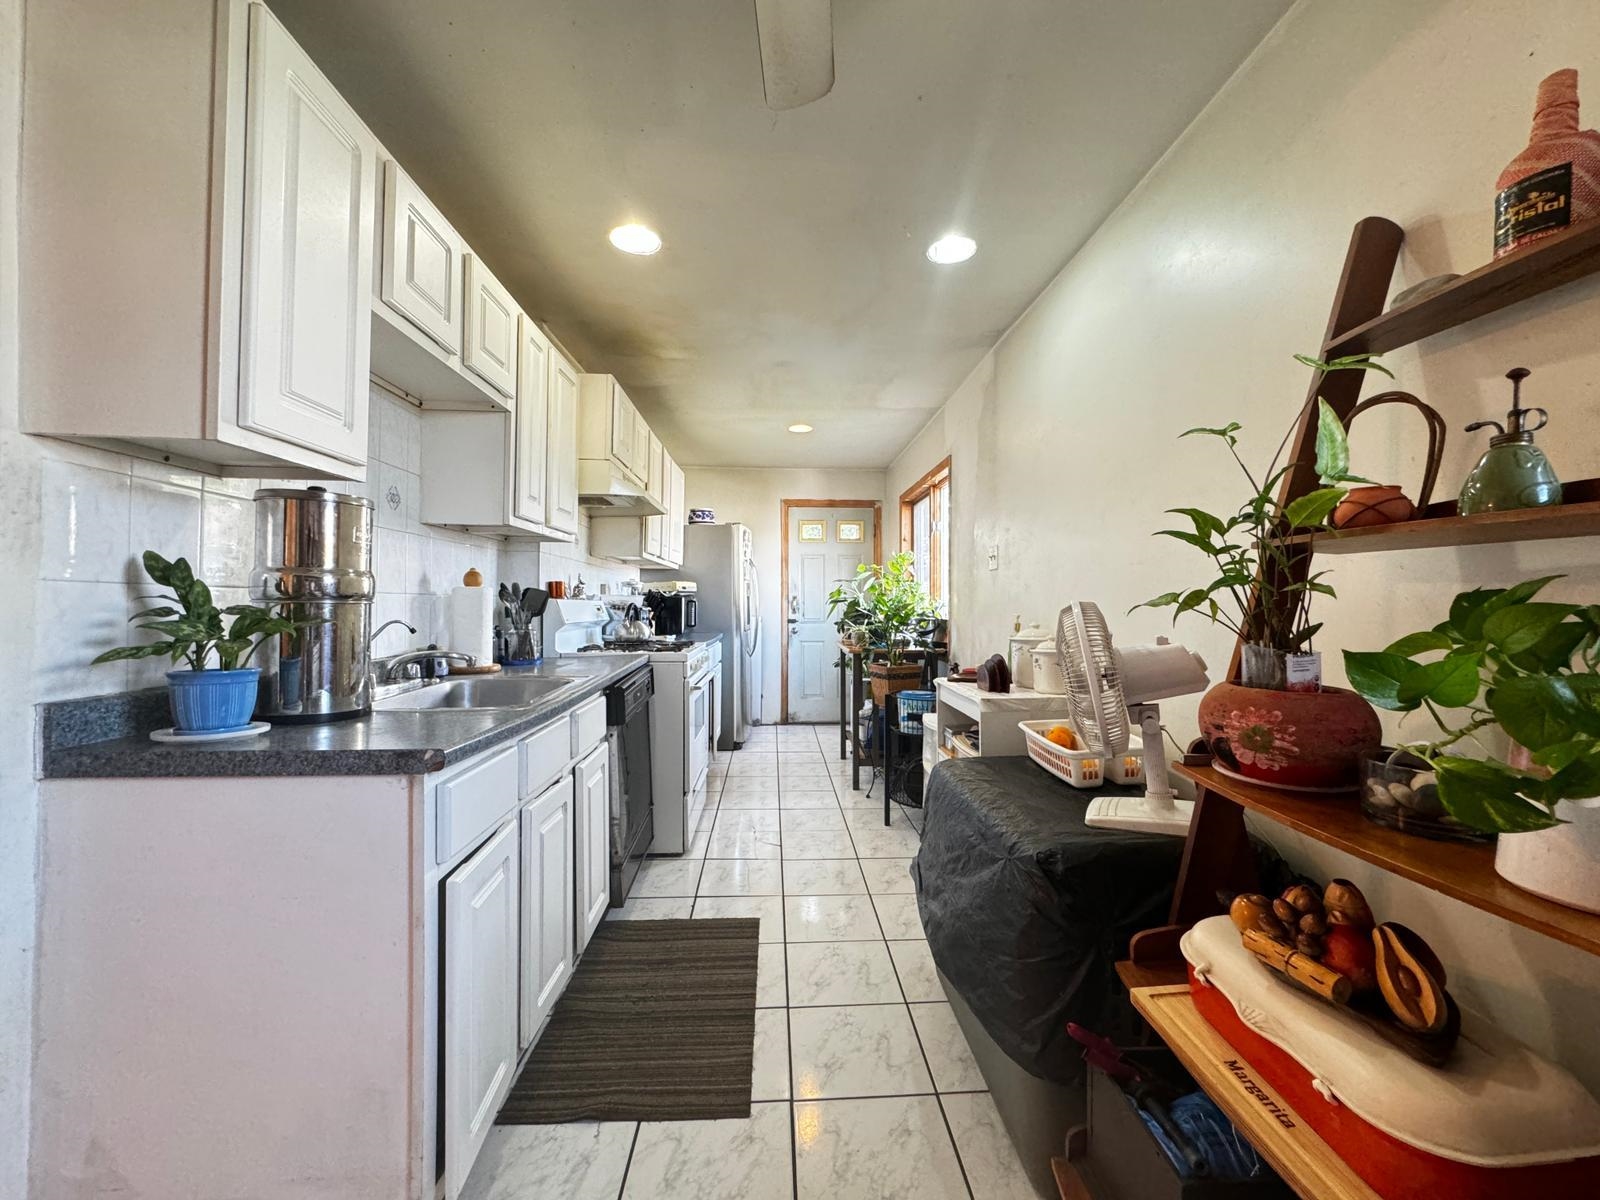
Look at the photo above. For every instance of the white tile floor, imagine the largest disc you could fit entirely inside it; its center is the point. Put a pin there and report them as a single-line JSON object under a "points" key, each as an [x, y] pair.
{"points": [[864, 1087]]}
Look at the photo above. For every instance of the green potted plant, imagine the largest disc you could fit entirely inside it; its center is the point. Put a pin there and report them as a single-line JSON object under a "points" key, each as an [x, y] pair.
{"points": [[204, 699], [1531, 668], [886, 604], [1266, 728], [851, 618]]}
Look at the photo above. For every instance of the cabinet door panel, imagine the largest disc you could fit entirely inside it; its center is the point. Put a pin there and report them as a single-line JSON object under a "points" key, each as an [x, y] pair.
{"points": [[622, 429], [490, 348], [421, 260], [310, 193], [561, 475], [677, 512], [656, 488], [547, 899], [480, 1026], [528, 499], [593, 842], [642, 438]]}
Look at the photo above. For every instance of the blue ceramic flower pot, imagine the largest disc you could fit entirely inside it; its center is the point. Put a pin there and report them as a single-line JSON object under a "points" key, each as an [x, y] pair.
{"points": [[212, 701]]}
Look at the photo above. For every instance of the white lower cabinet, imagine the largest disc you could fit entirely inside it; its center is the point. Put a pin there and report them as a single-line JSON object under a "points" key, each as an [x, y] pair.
{"points": [[480, 1019], [547, 901], [593, 851]]}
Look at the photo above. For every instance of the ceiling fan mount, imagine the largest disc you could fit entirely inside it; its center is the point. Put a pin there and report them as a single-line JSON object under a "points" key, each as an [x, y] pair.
{"points": [[796, 40]]}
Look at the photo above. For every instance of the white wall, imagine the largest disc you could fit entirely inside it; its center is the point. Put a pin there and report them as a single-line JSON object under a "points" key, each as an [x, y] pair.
{"points": [[19, 551], [754, 497], [1184, 310]]}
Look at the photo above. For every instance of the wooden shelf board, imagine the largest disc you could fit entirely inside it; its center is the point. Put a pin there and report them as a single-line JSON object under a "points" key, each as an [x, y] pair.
{"points": [[1459, 870], [1142, 975], [1306, 1162], [1519, 525], [1520, 275]]}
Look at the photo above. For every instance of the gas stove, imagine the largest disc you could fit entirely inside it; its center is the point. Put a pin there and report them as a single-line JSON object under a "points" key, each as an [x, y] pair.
{"points": [[637, 645]]}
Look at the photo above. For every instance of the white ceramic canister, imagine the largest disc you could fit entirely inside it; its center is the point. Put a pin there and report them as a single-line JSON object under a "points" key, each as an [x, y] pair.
{"points": [[1047, 670], [1560, 864], [1021, 655]]}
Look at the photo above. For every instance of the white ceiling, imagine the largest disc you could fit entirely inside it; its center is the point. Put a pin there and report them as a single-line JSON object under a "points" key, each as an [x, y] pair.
{"points": [[792, 286]]}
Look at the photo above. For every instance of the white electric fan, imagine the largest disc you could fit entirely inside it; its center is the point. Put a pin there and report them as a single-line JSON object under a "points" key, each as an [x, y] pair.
{"points": [[1107, 687]]}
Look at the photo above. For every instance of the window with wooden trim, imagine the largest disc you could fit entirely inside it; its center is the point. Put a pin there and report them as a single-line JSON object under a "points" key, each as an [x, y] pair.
{"points": [[924, 529]]}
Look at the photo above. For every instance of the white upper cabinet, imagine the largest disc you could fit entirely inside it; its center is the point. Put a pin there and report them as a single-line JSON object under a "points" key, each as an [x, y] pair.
{"points": [[310, 175], [490, 350], [624, 432], [561, 464], [422, 256], [656, 488], [532, 424], [199, 293], [677, 513], [613, 450], [646, 449]]}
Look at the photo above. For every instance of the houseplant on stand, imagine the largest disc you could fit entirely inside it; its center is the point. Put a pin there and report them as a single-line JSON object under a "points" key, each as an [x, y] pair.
{"points": [[1277, 724], [204, 699], [886, 603], [1532, 669]]}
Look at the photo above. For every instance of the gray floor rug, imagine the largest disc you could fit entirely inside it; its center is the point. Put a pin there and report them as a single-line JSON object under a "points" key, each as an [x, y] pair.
{"points": [[658, 1024]]}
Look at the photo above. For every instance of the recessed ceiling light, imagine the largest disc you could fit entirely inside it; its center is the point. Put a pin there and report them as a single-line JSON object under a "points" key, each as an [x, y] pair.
{"points": [[800, 427], [635, 239], [952, 248]]}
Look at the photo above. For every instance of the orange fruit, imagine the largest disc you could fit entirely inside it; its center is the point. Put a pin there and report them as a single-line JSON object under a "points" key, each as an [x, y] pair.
{"points": [[1063, 736]]}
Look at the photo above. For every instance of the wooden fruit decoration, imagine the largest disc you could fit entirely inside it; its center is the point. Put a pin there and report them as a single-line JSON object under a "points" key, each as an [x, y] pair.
{"points": [[1346, 905], [1415, 995], [1350, 952], [1252, 912]]}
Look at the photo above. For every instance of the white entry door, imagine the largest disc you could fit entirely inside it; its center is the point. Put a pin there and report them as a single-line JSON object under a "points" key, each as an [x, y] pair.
{"points": [[826, 545]]}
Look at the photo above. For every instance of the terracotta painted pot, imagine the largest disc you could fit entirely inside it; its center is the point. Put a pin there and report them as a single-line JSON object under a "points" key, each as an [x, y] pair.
{"points": [[1379, 504], [886, 679], [1290, 739]]}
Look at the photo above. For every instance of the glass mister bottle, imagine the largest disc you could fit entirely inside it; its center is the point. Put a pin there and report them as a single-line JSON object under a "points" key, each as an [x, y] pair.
{"points": [[1513, 472]]}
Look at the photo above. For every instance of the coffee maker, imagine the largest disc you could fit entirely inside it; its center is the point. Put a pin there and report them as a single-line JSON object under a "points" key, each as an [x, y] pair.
{"points": [[675, 609]]}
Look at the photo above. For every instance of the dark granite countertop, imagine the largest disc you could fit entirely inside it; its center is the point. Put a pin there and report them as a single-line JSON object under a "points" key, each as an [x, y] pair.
{"points": [[107, 737]]}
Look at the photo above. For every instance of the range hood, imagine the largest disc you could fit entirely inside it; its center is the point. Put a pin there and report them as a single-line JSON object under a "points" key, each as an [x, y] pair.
{"points": [[602, 485]]}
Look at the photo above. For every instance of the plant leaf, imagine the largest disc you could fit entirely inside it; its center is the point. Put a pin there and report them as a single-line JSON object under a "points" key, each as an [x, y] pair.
{"points": [[1541, 710], [1519, 628], [1206, 525], [1418, 643], [1160, 601], [1489, 796], [1451, 682], [1314, 507], [1333, 444], [122, 653], [1193, 539], [1305, 635], [1578, 780], [1226, 432], [1377, 677]]}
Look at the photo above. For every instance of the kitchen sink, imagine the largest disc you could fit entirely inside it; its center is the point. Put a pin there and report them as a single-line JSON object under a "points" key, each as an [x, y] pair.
{"points": [[475, 692]]}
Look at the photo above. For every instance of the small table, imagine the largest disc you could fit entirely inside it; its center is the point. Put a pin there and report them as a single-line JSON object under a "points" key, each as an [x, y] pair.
{"points": [[995, 714]]}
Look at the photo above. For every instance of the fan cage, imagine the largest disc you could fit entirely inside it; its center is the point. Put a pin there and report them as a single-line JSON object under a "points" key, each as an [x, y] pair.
{"points": [[1092, 678]]}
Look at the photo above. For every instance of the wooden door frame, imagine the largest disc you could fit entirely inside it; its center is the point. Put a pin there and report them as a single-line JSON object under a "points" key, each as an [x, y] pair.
{"points": [[783, 594]]}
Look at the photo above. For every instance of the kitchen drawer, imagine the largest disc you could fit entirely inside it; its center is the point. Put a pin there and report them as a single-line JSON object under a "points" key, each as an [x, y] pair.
{"points": [[588, 726], [545, 755], [469, 804]]}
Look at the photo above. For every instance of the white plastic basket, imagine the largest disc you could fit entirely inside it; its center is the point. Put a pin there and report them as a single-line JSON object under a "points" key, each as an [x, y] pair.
{"points": [[1080, 768]]}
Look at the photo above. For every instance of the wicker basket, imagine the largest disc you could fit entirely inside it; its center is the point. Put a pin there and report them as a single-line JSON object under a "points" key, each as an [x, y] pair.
{"points": [[1081, 768]]}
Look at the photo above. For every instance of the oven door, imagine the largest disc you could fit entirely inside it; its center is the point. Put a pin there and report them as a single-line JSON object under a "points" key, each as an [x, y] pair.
{"points": [[697, 754]]}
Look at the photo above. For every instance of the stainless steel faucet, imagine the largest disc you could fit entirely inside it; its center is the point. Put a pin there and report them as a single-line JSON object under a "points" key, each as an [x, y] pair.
{"points": [[410, 628], [392, 667]]}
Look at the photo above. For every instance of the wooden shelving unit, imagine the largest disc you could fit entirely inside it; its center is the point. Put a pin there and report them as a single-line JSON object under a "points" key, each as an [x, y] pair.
{"points": [[1217, 856], [1521, 275], [1462, 871], [1520, 525], [1306, 1162]]}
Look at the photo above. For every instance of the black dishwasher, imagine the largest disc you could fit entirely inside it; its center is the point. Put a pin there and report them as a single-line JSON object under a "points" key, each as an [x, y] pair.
{"points": [[632, 808]]}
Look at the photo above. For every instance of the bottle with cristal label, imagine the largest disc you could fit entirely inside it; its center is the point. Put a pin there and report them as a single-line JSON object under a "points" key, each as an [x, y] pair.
{"points": [[1555, 182]]}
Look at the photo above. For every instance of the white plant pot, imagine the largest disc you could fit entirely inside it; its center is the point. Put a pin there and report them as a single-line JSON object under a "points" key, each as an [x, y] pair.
{"points": [[1560, 864]]}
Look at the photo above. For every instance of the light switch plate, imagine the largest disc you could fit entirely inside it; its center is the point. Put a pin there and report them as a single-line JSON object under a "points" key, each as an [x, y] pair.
{"points": [[994, 558]]}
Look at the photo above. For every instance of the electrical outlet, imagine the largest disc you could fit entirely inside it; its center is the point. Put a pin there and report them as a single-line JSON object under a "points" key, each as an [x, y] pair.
{"points": [[994, 558]]}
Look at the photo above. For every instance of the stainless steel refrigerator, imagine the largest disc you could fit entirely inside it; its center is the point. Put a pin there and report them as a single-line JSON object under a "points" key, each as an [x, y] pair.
{"points": [[721, 561]]}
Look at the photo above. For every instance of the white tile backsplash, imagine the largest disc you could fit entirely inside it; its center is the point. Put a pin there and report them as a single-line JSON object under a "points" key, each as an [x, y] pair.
{"points": [[100, 511]]}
